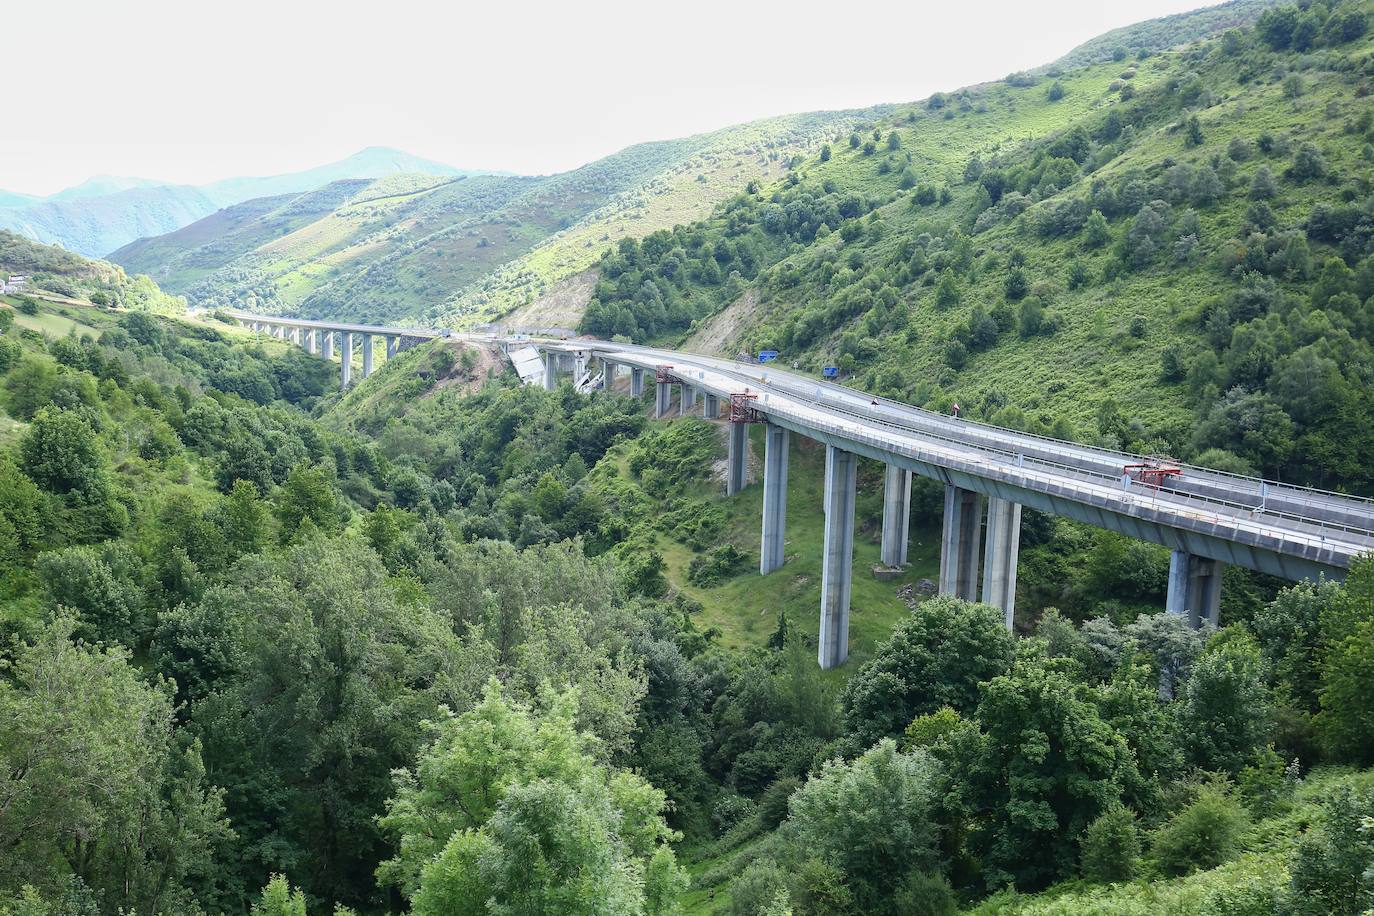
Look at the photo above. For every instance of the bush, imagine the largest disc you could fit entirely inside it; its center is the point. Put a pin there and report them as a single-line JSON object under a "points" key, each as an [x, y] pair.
{"points": [[757, 888], [772, 805], [1332, 868], [925, 895], [1201, 836], [1110, 846], [721, 563]]}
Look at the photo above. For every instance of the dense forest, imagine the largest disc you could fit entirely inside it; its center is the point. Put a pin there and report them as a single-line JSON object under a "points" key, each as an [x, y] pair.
{"points": [[447, 644]]}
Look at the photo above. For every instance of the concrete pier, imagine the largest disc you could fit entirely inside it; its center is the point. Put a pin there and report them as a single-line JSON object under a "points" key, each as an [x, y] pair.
{"points": [[326, 344], [312, 338], [710, 407], [663, 397], [689, 399], [837, 567], [959, 544], [346, 354], [737, 470], [393, 346], [550, 370], [367, 355], [896, 515], [999, 557], [1194, 588], [636, 382], [776, 444]]}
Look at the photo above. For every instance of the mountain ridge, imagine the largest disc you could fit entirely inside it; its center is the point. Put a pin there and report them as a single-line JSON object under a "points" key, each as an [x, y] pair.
{"points": [[104, 213]]}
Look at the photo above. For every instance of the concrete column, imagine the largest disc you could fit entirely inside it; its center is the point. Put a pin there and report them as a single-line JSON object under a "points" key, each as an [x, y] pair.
{"points": [[896, 515], [737, 465], [367, 355], [837, 567], [710, 408], [311, 340], [1194, 587], [775, 449], [550, 370], [636, 382], [327, 344], [663, 396], [959, 543], [346, 355], [607, 374], [689, 398], [999, 559], [393, 346]]}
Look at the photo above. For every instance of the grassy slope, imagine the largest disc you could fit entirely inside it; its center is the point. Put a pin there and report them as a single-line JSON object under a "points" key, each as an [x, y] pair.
{"points": [[745, 607], [725, 162], [1092, 358]]}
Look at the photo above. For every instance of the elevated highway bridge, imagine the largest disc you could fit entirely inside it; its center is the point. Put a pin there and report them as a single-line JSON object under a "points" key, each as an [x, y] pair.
{"points": [[1206, 518]]}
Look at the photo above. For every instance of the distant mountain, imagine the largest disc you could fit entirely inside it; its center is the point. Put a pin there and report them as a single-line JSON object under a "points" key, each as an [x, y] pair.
{"points": [[13, 199], [405, 247], [107, 212], [101, 185]]}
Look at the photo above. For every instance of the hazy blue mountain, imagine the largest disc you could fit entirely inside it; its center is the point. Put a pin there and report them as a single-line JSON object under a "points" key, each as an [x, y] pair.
{"points": [[107, 212]]}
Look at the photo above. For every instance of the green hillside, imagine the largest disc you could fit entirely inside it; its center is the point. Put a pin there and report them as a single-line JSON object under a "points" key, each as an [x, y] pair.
{"points": [[55, 271], [1168, 253], [408, 248]]}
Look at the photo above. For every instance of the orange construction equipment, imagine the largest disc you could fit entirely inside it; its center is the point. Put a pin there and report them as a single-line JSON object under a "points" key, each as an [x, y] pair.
{"points": [[1153, 471]]}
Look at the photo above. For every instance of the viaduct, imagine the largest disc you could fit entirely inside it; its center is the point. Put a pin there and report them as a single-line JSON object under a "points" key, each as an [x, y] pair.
{"points": [[1206, 518]]}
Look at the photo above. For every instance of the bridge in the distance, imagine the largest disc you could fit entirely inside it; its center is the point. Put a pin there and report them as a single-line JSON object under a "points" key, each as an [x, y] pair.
{"points": [[1206, 518]]}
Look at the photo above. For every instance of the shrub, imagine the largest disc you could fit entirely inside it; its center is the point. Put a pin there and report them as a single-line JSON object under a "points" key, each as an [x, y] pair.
{"points": [[757, 888], [1110, 846], [1201, 836]]}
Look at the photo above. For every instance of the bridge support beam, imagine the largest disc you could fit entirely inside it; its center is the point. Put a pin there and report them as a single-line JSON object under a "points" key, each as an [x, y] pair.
{"points": [[710, 407], [999, 560], [326, 344], [312, 340], [737, 459], [837, 568], [896, 515], [1194, 587], [607, 374], [959, 543], [393, 346], [346, 367], [663, 396], [776, 443], [367, 355], [636, 382]]}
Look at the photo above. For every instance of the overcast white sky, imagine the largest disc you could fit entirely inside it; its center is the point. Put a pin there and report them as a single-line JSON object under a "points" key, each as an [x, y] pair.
{"points": [[191, 92]]}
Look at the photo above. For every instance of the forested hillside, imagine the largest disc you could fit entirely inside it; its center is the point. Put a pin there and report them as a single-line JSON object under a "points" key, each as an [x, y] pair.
{"points": [[447, 644], [406, 248], [1168, 253], [410, 650]]}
